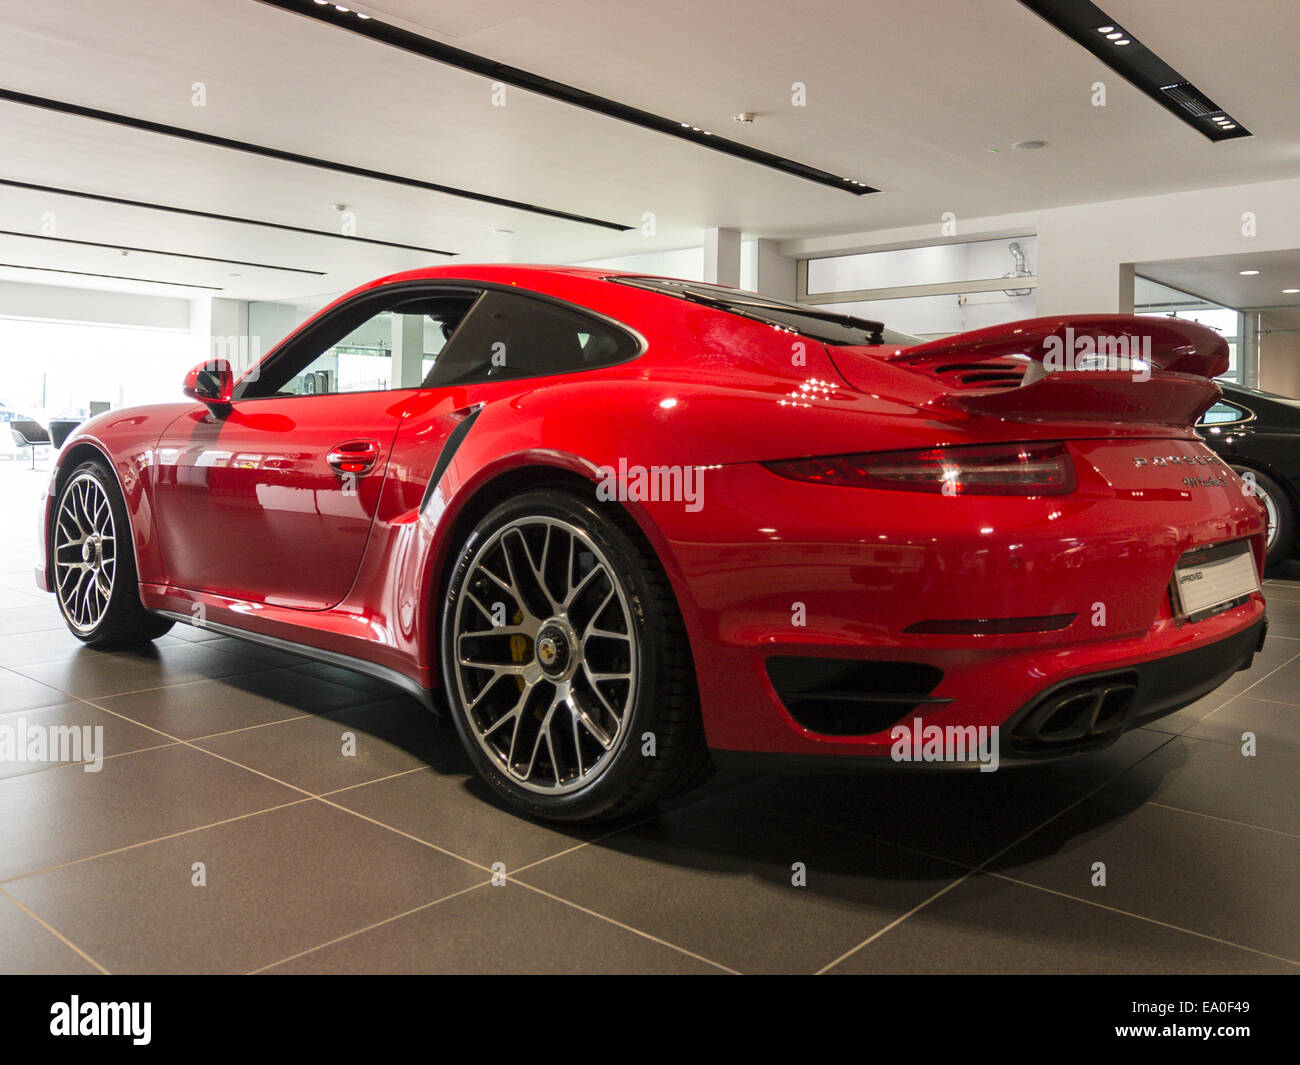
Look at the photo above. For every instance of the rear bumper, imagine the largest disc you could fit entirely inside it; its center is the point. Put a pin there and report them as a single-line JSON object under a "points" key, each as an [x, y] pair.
{"points": [[1162, 686], [772, 570]]}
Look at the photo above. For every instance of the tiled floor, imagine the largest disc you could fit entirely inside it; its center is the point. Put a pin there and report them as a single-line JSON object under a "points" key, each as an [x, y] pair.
{"points": [[231, 755]]}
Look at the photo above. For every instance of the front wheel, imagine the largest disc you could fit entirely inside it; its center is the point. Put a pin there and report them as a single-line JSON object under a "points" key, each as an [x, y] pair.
{"points": [[566, 663], [94, 564]]}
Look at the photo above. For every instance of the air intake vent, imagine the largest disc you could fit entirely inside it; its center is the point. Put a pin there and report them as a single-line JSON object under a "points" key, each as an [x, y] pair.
{"points": [[991, 373], [852, 697], [1190, 99]]}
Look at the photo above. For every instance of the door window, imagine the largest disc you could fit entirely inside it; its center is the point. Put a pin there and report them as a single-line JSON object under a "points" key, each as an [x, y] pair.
{"points": [[367, 348]]}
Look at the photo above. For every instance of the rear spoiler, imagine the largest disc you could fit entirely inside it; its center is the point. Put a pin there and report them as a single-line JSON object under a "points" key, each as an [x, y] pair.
{"points": [[1090, 366]]}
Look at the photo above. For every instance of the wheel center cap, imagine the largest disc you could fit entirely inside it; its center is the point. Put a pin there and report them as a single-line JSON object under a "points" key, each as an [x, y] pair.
{"points": [[555, 650]]}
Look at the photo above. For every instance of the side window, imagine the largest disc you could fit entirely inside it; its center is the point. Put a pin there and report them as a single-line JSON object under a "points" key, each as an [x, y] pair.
{"points": [[508, 335], [1222, 414], [373, 348]]}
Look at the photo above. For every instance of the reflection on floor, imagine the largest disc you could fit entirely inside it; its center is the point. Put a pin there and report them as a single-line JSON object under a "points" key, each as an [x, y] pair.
{"points": [[224, 764]]}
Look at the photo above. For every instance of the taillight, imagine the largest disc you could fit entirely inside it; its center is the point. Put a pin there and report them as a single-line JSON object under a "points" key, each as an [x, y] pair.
{"points": [[999, 469]]}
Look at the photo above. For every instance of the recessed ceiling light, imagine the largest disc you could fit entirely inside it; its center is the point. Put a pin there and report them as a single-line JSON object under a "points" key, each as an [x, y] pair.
{"points": [[1100, 29], [362, 15], [1029, 146], [1123, 42], [1228, 125], [1113, 36], [1248, 273], [1290, 291]]}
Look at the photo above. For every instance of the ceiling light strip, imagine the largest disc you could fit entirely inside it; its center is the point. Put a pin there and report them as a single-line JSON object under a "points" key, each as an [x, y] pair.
{"points": [[156, 251], [384, 33], [111, 277], [198, 137], [190, 212], [1107, 39]]}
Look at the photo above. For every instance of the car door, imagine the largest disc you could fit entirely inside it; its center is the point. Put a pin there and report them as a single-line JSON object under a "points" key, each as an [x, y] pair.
{"points": [[272, 499]]}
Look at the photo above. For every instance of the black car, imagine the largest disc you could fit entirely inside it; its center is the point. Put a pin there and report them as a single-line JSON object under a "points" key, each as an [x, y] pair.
{"points": [[1258, 435]]}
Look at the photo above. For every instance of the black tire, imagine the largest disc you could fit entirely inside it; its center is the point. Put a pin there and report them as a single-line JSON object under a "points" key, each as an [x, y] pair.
{"points": [[1270, 492], [121, 621], [661, 699]]}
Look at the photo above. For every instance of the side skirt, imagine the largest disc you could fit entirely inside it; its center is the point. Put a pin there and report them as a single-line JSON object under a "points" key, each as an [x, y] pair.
{"points": [[333, 658]]}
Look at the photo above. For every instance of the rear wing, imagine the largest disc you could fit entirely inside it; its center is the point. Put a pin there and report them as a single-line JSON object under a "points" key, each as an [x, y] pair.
{"points": [[1090, 366]]}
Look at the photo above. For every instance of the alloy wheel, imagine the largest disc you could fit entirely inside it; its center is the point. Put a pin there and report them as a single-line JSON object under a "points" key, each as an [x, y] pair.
{"points": [[85, 553], [545, 655]]}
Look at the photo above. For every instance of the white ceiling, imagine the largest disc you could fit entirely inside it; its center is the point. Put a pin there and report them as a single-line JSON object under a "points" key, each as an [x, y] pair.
{"points": [[1219, 278], [908, 97]]}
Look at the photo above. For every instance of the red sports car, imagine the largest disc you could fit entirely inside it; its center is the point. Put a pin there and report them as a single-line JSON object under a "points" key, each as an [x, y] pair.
{"points": [[631, 527]]}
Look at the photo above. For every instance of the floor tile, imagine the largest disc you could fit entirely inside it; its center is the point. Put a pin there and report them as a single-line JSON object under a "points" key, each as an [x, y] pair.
{"points": [[506, 929], [315, 752], [718, 879], [276, 884], [65, 814], [28, 948], [990, 925]]}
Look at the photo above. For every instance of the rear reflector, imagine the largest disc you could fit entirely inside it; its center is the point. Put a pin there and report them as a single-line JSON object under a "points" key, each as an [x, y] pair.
{"points": [[994, 626], [1000, 469]]}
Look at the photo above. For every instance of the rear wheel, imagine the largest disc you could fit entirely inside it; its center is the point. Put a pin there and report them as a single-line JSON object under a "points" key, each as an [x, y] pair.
{"points": [[566, 663], [1281, 515], [94, 563]]}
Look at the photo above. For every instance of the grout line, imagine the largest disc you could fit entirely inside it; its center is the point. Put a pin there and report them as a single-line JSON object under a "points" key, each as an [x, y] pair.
{"points": [[627, 927], [894, 923], [149, 842], [993, 857], [367, 928], [379, 780], [1141, 917], [1225, 820], [245, 728], [55, 933], [176, 740], [85, 761]]}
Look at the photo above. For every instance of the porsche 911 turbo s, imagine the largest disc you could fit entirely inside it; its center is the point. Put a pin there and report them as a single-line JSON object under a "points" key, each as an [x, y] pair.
{"points": [[625, 528], [1258, 435]]}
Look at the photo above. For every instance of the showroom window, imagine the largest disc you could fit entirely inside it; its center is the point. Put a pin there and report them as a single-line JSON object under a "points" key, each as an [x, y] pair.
{"points": [[930, 292], [1157, 300]]}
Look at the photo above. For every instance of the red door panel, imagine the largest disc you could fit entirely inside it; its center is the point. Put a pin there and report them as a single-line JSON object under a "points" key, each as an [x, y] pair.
{"points": [[274, 502]]}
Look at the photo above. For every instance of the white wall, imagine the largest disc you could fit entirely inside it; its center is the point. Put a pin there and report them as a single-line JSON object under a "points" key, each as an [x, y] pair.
{"points": [[60, 303]]}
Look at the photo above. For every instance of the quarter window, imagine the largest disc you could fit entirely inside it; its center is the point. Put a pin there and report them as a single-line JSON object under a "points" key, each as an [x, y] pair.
{"points": [[508, 335], [1222, 414]]}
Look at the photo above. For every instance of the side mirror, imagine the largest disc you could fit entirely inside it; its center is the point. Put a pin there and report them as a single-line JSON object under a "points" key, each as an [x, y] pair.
{"points": [[210, 382]]}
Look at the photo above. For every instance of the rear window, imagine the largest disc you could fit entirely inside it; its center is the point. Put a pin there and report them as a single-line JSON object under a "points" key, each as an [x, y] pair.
{"points": [[831, 327]]}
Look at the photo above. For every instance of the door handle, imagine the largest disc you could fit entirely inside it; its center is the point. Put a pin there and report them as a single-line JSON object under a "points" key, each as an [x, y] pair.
{"points": [[356, 457]]}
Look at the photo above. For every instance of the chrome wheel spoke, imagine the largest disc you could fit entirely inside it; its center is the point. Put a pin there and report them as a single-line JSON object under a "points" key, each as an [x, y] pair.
{"points": [[547, 693], [84, 553]]}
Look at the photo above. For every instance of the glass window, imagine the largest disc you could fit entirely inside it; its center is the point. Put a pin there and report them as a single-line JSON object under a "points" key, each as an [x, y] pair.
{"points": [[1222, 414], [832, 327], [364, 348], [509, 335]]}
